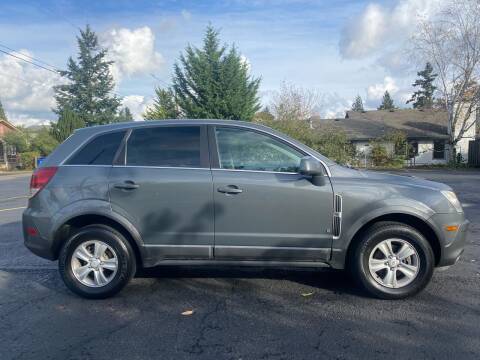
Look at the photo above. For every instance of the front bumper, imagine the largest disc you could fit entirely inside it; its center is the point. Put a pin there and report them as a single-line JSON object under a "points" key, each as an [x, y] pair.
{"points": [[452, 243]]}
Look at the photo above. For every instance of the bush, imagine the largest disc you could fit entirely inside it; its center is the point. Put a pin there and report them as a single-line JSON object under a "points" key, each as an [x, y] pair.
{"points": [[330, 142], [27, 160], [379, 154]]}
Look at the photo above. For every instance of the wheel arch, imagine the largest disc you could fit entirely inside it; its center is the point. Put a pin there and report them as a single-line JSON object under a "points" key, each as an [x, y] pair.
{"points": [[416, 222], [69, 226]]}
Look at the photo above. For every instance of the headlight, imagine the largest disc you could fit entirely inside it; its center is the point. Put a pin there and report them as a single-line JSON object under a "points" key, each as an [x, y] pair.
{"points": [[452, 198]]}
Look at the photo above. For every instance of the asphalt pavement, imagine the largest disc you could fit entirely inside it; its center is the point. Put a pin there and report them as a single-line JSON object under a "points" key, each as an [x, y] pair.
{"points": [[237, 313]]}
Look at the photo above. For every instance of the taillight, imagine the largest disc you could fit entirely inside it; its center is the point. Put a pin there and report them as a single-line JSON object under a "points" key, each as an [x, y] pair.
{"points": [[40, 178]]}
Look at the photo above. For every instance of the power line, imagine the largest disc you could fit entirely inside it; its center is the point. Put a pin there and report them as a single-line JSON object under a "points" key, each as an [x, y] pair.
{"points": [[30, 62], [28, 56]]}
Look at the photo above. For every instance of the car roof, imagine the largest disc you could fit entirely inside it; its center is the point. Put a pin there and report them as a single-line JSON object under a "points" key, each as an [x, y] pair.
{"points": [[148, 123]]}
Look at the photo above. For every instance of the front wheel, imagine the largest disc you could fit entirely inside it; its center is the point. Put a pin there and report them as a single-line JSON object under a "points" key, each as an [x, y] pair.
{"points": [[392, 261], [96, 262]]}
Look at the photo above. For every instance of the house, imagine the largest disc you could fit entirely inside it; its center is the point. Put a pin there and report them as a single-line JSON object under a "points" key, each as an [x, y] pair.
{"points": [[426, 132], [8, 155]]}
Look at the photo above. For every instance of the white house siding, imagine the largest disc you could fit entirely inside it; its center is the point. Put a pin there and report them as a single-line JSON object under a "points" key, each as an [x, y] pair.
{"points": [[425, 154], [424, 157], [470, 134]]}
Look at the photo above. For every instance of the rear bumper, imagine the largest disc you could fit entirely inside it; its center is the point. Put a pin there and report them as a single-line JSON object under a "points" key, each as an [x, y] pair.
{"points": [[37, 244]]}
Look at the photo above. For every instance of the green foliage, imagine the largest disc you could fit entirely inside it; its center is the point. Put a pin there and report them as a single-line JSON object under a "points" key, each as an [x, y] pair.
{"points": [[264, 115], [164, 106], [387, 102], [124, 115], [27, 160], [19, 139], [379, 154], [399, 140], [90, 83], [68, 121], [2, 112], [330, 142], [358, 104], [43, 142], [214, 82], [423, 98]]}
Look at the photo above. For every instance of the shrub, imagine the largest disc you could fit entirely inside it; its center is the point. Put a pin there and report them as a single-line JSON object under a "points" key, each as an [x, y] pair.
{"points": [[27, 160], [379, 154]]}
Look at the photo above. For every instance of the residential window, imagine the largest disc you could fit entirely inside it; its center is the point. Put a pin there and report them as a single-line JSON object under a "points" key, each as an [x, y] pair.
{"points": [[438, 149], [241, 149], [100, 151], [165, 146]]}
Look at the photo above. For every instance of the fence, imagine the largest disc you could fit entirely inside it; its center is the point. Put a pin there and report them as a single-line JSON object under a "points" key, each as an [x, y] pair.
{"points": [[474, 153]]}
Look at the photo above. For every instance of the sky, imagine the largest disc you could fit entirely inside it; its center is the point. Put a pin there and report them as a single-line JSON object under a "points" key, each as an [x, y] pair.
{"points": [[336, 48]]}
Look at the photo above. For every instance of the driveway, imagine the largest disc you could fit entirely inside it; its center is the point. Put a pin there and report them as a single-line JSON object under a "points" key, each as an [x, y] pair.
{"points": [[237, 313]]}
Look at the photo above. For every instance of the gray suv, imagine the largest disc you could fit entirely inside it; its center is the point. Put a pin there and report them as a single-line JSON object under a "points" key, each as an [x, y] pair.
{"points": [[118, 197]]}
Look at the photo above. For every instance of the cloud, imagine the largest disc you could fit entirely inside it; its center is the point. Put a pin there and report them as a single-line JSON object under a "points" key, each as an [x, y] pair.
{"points": [[26, 89], [137, 105], [186, 15], [376, 91], [379, 26], [132, 50], [332, 105]]}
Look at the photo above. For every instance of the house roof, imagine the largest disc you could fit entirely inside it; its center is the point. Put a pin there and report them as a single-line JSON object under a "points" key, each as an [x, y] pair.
{"points": [[416, 124], [7, 124]]}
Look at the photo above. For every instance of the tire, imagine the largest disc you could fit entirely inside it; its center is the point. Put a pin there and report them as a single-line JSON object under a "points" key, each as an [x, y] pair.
{"points": [[390, 277], [104, 277]]}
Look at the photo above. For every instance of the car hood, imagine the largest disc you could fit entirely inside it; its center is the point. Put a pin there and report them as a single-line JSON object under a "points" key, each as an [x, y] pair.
{"points": [[386, 178]]}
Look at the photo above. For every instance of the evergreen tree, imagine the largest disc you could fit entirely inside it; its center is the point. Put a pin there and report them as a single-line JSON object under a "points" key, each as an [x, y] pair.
{"points": [[387, 102], [68, 121], [2, 112], [423, 98], [358, 104], [214, 82], [164, 106], [124, 115], [88, 92]]}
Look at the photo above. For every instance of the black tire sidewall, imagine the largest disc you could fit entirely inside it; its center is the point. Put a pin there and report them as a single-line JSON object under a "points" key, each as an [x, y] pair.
{"points": [[398, 231], [125, 256]]}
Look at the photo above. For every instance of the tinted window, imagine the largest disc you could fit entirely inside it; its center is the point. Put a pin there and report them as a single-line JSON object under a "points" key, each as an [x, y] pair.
{"points": [[249, 150], [99, 151], [439, 149], [165, 146]]}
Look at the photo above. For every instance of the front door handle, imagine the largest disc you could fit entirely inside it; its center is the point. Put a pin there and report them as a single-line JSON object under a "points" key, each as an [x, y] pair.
{"points": [[126, 185], [230, 190]]}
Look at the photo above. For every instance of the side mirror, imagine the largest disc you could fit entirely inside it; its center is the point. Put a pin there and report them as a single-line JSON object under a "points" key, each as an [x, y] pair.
{"points": [[311, 167]]}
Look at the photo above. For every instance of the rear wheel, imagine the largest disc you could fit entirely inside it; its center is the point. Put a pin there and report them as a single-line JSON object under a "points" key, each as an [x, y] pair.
{"points": [[96, 262], [392, 261]]}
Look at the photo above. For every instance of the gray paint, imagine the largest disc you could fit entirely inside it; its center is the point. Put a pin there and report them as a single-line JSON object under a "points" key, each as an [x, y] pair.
{"points": [[178, 214]]}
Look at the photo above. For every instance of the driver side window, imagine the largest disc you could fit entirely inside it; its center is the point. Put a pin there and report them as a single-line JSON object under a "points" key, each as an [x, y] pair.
{"points": [[242, 149]]}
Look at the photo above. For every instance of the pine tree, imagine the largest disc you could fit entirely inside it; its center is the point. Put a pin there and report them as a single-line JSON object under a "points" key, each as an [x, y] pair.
{"points": [[88, 93], [2, 112], [124, 115], [214, 82], [423, 98], [358, 104], [68, 121], [164, 106], [387, 102]]}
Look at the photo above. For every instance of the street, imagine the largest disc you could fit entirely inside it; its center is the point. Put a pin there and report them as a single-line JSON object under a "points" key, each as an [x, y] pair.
{"points": [[237, 313]]}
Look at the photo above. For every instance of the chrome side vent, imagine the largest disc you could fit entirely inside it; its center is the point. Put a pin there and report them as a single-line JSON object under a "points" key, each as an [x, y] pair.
{"points": [[337, 216]]}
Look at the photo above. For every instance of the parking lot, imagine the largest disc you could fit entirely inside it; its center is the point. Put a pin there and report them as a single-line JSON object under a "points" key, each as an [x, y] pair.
{"points": [[237, 313]]}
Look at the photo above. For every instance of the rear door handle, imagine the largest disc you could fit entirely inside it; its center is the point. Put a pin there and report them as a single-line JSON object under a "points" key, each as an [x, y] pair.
{"points": [[126, 185], [230, 190]]}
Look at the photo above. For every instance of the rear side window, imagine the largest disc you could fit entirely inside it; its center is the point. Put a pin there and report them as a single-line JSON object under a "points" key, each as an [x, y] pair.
{"points": [[165, 146], [100, 151]]}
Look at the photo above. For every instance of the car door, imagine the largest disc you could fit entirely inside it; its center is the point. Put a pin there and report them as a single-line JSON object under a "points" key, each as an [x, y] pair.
{"points": [[162, 183], [265, 209]]}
